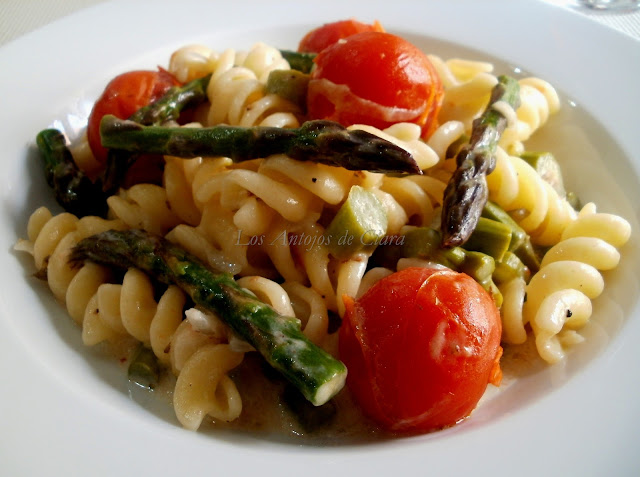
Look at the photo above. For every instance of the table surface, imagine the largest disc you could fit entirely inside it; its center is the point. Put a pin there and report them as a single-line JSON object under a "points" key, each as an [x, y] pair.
{"points": [[19, 17]]}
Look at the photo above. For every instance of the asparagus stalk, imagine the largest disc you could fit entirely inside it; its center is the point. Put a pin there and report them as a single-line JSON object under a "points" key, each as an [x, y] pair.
{"points": [[319, 141], [166, 108], [73, 190], [467, 192], [173, 102], [277, 338]]}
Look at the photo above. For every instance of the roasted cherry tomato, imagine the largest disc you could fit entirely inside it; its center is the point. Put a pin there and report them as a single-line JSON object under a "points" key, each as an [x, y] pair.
{"points": [[375, 78], [421, 346], [123, 96], [318, 39]]}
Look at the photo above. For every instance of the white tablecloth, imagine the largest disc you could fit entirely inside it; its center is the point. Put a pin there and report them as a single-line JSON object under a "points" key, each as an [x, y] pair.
{"points": [[18, 17]]}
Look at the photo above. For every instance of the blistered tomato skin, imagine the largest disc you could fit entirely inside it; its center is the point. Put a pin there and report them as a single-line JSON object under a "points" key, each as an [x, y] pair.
{"points": [[375, 78], [326, 35], [421, 346], [123, 96]]}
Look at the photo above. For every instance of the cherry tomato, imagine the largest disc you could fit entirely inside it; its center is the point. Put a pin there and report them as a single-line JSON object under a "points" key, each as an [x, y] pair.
{"points": [[318, 39], [123, 96], [375, 78], [421, 346]]}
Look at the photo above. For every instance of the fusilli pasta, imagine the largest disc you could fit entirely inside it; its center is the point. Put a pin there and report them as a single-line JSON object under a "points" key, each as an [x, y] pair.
{"points": [[558, 297]]}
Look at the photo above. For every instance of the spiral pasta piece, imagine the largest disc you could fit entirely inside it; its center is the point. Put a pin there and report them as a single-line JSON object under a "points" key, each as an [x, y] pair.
{"points": [[236, 89], [204, 388], [516, 187], [310, 308], [192, 61], [144, 206], [559, 295]]}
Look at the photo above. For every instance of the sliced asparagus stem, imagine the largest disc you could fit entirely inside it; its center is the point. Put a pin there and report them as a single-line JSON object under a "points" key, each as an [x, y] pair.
{"points": [[510, 267], [299, 61], [73, 190], [520, 241], [490, 237], [358, 225], [290, 85], [467, 192], [277, 338], [324, 142]]}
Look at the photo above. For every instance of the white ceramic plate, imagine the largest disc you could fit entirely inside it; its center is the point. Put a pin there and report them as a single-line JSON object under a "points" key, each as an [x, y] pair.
{"points": [[67, 410]]}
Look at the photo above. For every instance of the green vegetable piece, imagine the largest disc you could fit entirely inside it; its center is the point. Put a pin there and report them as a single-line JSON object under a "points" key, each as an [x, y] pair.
{"points": [[490, 237], [574, 200], [73, 190], [279, 339], [510, 267], [480, 267], [467, 191], [359, 224], [169, 106], [144, 368], [546, 165], [325, 142], [302, 62], [520, 241], [290, 85], [426, 243]]}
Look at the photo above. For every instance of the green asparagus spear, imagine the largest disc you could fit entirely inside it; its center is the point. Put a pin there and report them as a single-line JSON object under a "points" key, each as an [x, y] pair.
{"points": [[320, 141], [466, 192], [166, 108], [173, 102], [277, 338], [302, 62], [73, 190]]}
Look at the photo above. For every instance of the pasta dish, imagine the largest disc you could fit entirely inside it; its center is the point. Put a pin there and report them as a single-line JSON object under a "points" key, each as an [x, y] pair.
{"points": [[341, 240]]}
